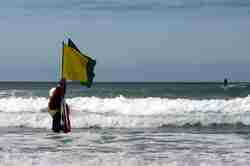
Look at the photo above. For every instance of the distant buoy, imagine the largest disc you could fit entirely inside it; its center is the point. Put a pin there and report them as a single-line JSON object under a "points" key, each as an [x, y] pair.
{"points": [[225, 82]]}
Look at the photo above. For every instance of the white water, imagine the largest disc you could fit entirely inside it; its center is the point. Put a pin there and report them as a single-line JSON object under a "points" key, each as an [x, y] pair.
{"points": [[122, 148], [126, 113]]}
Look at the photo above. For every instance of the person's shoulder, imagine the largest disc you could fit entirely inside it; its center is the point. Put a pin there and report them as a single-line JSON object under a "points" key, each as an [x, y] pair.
{"points": [[57, 90]]}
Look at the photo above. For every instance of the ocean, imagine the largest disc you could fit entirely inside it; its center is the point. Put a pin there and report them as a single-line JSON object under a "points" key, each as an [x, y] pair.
{"points": [[128, 124]]}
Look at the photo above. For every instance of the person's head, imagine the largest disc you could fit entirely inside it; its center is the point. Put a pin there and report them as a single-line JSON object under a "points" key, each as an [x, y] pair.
{"points": [[62, 85], [62, 82]]}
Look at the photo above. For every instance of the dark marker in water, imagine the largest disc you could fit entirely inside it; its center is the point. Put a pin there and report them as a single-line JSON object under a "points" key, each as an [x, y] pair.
{"points": [[225, 82]]}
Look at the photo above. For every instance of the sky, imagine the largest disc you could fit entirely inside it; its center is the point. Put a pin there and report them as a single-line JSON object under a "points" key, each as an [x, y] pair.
{"points": [[131, 40]]}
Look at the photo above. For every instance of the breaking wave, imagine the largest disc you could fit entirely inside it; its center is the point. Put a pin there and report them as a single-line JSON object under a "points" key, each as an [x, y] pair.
{"points": [[121, 112]]}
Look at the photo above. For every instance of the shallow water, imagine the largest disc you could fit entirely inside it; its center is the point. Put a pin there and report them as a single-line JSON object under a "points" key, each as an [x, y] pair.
{"points": [[26, 146]]}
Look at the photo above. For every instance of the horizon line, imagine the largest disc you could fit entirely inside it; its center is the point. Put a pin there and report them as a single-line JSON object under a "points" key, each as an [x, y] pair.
{"points": [[129, 82]]}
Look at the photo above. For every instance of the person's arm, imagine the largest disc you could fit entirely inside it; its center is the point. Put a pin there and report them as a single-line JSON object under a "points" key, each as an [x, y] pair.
{"points": [[63, 87]]}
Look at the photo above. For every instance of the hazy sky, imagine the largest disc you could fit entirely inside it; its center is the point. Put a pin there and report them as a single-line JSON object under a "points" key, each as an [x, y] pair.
{"points": [[132, 40]]}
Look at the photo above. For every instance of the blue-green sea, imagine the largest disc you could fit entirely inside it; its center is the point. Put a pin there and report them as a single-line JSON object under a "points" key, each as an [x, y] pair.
{"points": [[166, 123]]}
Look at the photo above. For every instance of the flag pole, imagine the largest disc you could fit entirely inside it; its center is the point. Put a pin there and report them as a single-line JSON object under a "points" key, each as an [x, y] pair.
{"points": [[61, 76], [62, 68], [61, 65]]}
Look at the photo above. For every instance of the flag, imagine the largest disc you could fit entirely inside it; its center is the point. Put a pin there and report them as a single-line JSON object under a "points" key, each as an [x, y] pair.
{"points": [[77, 66]]}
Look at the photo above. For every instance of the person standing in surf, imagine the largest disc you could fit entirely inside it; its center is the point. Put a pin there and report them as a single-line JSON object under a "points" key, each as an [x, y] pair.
{"points": [[225, 82], [56, 96]]}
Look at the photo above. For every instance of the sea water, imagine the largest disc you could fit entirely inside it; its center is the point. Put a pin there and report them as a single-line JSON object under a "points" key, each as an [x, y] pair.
{"points": [[130, 124]]}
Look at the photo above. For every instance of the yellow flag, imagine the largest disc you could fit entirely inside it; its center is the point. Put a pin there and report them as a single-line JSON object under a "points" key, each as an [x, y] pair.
{"points": [[77, 66]]}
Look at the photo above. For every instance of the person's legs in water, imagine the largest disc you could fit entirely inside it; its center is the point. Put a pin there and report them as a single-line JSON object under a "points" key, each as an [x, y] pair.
{"points": [[56, 125]]}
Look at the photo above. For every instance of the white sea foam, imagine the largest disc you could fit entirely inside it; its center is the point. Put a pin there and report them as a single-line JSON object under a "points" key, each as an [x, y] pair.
{"points": [[48, 160], [127, 112], [122, 148]]}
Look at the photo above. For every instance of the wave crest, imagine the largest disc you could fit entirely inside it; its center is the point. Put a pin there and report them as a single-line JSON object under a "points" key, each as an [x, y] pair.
{"points": [[121, 112]]}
